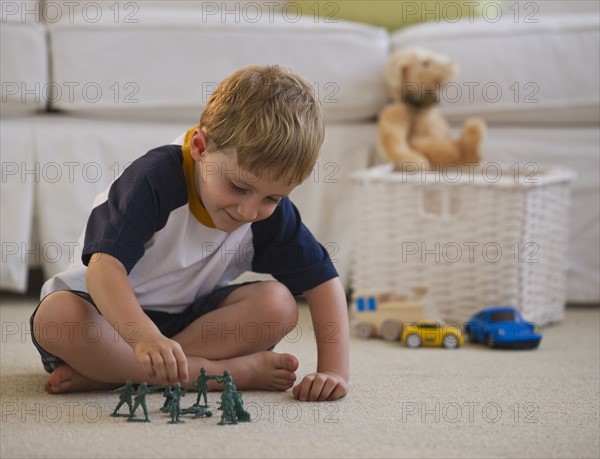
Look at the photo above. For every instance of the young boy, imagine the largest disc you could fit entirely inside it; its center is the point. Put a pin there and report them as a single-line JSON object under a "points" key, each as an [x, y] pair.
{"points": [[150, 298]]}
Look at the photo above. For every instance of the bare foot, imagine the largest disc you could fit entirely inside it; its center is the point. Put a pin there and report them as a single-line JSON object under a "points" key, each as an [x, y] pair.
{"points": [[265, 370], [64, 379]]}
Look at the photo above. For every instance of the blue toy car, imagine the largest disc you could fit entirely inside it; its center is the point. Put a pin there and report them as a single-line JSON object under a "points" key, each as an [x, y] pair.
{"points": [[503, 327]]}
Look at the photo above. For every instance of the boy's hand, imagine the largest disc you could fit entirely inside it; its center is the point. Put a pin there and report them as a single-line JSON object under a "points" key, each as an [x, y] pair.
{"points": [[162, 358], [324, 386]]}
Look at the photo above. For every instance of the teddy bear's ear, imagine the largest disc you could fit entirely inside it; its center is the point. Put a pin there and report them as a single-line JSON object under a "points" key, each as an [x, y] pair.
{"points": [[396, 68]]}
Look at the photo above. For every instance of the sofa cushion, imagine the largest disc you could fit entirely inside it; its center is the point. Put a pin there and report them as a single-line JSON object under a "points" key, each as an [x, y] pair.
{"points": [[20, 173], [545, 72], [24, 69], [170, 61]]}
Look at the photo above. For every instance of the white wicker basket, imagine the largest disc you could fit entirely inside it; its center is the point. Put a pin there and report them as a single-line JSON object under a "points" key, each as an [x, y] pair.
{"points": [[475, 238]]}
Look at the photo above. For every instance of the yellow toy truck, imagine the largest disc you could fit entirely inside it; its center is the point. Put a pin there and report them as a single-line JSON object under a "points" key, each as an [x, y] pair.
{"points": [[383, 313]]}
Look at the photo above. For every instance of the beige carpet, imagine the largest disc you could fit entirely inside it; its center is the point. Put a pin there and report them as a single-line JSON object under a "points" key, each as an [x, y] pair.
{"points": [[470, 402]]}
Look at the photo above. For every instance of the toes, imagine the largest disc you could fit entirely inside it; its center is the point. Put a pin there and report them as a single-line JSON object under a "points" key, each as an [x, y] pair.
{"points": [[48, 387], [281, 371], [284, 375], [51, 388], [59, 380], [59, 375], [289, 362], [282, 383]]}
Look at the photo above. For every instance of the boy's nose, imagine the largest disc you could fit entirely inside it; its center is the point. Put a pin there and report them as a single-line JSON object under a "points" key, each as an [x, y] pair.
{"points": [[248, 211]]}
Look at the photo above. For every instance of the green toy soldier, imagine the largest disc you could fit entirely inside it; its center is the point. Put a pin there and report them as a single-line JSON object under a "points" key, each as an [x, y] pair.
{"points": [[202, 386], [140, 399], [168, 395], [198, 410], [228, 415], [225, 378], [240, 412], [175, 405], [126, 395]]}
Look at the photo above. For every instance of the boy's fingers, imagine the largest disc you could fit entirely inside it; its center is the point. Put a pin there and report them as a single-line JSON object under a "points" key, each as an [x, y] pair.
{"points": [[305, 387], [320, 387], [317, 387], [146, 363], [327, 389], [170, 364], [182, 366], [340, 391], [158, 365]]}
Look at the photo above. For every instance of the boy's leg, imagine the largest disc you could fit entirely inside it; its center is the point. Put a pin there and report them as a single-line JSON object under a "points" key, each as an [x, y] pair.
{"points": [[252, 318], [237, 335], [71, 328]]}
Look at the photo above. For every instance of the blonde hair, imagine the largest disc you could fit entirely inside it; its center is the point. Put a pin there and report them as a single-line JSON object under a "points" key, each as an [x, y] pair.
{"points": [[270, 117]]}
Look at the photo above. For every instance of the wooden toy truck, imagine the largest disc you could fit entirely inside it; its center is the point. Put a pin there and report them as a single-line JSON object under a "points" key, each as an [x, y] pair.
{"points": [[383, 313]]}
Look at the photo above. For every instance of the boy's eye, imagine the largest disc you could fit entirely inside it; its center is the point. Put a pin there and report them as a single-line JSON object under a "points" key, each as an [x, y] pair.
{"points": [[236, 188]]}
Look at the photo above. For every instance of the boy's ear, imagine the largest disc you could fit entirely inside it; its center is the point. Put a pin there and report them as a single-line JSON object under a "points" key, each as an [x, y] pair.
{"points": [[198, 143]]}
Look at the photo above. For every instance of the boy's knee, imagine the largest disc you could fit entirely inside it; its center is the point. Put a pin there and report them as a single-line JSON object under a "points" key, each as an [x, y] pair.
{"points": [[281, 304], [56, 314]]}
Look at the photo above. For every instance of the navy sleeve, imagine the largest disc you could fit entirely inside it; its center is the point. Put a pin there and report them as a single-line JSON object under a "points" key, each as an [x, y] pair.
{"points": [[286, 249], [139, 204]]}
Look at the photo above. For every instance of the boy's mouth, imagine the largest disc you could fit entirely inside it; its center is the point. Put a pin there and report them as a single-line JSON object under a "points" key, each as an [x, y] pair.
{"points": [[232, 217]]}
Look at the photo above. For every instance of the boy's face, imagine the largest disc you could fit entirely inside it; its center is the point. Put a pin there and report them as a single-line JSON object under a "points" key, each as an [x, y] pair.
{"points": [[231, 195]]}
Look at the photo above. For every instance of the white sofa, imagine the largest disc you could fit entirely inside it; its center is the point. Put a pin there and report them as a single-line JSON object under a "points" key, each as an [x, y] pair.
{"points": [[89, 86]]}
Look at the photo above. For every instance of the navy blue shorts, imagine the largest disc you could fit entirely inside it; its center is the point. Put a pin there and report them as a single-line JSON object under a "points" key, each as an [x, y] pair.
{"points": [[169, 324]]}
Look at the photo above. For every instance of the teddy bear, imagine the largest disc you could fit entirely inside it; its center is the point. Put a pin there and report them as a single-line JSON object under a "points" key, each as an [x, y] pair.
{"points": [[412, 131]]}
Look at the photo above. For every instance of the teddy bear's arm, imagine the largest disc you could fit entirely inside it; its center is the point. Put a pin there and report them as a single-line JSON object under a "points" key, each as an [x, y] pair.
{"points": [[393, 130]]}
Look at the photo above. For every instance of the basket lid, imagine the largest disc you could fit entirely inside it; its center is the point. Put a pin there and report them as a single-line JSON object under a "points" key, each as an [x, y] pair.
{"points": [[484, 174]]}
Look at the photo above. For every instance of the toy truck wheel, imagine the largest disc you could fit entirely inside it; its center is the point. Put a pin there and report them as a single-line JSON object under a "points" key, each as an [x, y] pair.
{"points": [[490, 341], [364, 330], [390, 330], [450, 341], [413, 340]]}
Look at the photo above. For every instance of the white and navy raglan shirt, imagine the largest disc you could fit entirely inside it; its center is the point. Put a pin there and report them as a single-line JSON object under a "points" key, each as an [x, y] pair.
{"points": [[153, 222]]}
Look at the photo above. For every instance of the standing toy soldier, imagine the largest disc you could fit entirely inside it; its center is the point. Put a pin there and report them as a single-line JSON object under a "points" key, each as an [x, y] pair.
{"points": [[228, 415], [175, 405], [126, 395], [241, 414], [225, 378], [168, 395], [198, 410], [202, 386], [140, 399]]}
